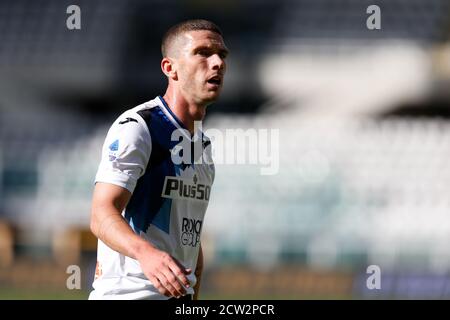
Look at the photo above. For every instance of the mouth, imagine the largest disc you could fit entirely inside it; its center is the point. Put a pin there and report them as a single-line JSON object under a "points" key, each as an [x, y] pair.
{"points": [[216, 80]]}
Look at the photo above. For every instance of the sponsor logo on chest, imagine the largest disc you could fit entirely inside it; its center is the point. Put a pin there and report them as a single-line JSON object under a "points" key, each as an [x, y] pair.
{"points": [[188, 189]]}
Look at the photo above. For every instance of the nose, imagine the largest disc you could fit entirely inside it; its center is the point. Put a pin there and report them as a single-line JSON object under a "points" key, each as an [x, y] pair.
{"points": [[217, 62]]}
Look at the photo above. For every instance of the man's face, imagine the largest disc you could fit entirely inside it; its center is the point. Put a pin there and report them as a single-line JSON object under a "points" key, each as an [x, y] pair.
{"points": [[201, 65]]}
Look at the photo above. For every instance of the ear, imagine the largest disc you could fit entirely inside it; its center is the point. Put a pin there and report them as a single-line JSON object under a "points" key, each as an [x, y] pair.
{"points": [[169, 69]]}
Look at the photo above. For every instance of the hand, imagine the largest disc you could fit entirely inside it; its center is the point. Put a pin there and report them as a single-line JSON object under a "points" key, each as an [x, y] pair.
{"points": [[165, 272]]}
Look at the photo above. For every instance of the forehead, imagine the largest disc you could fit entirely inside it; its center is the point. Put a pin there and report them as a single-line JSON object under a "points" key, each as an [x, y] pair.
{"points": [[204, 38]]}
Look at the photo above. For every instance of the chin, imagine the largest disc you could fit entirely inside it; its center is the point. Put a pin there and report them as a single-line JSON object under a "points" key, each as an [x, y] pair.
{"points": [[212, 97]]}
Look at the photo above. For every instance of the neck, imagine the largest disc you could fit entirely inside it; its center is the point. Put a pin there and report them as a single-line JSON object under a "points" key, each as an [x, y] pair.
{"points": [[186, 111]]}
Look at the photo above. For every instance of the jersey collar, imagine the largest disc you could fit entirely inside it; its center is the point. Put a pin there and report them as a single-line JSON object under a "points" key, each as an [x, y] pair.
{"points": [[169, 113]]}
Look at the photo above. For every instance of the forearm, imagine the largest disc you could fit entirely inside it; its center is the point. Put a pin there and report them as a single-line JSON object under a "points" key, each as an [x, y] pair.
{"points": [[111, 228], [165, 273]]}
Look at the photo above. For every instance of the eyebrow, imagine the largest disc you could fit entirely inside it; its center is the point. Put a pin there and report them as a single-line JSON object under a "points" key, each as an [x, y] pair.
{"points": [[222, 50]]}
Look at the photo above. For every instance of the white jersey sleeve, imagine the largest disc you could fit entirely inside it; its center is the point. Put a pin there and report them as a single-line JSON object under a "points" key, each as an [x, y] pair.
{"points": [[126, 152]]}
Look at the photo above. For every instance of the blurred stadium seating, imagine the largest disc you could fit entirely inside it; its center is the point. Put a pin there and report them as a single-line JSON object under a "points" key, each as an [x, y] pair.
{"points": [[360, 182]]}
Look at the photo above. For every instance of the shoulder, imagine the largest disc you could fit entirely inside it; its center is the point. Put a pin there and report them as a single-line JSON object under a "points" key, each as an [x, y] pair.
{"points": [[132, 126], [139, 116], [136, 120]]}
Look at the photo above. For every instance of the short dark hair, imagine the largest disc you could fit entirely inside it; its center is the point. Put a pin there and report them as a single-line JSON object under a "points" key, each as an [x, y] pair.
{"points": [[186, 26]]}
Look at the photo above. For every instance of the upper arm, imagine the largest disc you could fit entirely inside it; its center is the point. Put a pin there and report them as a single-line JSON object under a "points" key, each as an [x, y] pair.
{"points": [[125, 152], [125, 155], [108, 201], [107, 194]]}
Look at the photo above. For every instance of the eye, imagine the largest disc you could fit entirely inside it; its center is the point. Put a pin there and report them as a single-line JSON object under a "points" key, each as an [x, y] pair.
{"points": [[203, 52]]}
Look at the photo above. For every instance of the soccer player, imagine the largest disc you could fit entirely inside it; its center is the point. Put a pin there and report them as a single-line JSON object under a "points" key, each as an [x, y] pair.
{"points": [[147, 209]]}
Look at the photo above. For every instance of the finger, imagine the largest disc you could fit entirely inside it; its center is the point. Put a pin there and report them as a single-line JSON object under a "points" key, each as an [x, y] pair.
{"points": [[179, 265], [157, 284], [166, 284], [180, 273], [174, 281]]}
